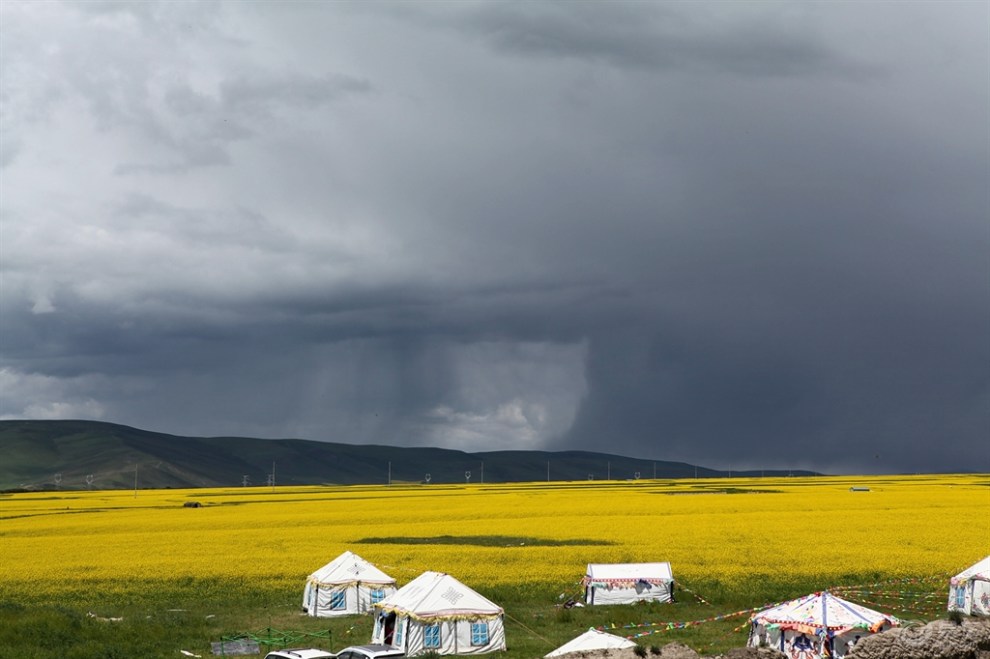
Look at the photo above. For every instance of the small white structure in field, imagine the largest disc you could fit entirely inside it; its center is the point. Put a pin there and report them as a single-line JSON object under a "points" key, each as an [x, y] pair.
{"points": [[969, 591], [592, 640], [437, 613], [816, 625], [346, 585], [627, 583]]}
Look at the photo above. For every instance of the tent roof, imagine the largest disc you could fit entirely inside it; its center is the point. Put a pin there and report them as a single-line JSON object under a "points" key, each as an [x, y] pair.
{"points": [[629, 571], [979, 571], [824, 610], [592, 639], [349, 568], [438, 595]]}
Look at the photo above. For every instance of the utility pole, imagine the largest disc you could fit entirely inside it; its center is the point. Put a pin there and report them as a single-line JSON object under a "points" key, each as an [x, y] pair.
{"points": [[609, 473], [273, 475], [548, 471], [389, 472], [135, 481], [482, 471]]}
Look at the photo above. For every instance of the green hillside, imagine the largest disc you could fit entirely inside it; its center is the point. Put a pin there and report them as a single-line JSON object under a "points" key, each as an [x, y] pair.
{"points": [[112, 456]]}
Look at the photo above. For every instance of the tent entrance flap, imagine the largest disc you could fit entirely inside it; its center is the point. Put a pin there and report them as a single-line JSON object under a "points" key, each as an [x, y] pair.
{"points": [[389, 627]]}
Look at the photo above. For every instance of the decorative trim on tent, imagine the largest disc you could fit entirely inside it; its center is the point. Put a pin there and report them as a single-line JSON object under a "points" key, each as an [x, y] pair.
{"points": [[373, 582], [806, 628], [624, 583], [978, 571], [460, 616]]}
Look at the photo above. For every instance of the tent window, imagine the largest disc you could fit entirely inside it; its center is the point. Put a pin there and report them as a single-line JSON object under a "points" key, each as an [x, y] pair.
{"points": [[431, 636], [479, 634], [960, 597], [377, 596], [399, 627], [338, 600]]}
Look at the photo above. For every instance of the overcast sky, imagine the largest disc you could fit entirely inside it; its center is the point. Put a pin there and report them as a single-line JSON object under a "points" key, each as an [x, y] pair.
{"points": [[739, 234]]}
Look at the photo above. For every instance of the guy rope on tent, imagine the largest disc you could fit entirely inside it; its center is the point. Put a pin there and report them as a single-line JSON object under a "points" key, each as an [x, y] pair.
{"points": [[682, 586], [919, 596], [664, 626]]}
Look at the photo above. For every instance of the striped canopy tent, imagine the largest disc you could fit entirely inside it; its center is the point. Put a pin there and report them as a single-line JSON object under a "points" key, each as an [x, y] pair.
{"points": [[969, 591], [346, 585], [820, 623], [436, 613], [627, 583]]}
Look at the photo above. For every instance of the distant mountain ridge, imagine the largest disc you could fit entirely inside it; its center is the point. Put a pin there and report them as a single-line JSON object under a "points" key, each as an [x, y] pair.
{"points": [[44, 455]]}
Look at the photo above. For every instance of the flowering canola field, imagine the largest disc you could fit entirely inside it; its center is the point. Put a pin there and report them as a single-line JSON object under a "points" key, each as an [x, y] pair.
{"points": [[717, 534]]}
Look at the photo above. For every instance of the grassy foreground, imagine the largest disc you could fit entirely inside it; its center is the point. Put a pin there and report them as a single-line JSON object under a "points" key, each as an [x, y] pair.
{"points": [[178, 578]]}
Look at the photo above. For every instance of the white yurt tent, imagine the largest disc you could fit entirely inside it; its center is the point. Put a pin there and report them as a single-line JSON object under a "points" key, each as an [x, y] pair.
{"points": [[969, 591], [806, 627], [346, 585], [626, 583], [437, 613], [592, 640]]}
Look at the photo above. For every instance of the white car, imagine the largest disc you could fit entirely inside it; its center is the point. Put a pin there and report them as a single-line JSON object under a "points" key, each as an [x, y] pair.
{"points": [[300, 653], [371, 651]]}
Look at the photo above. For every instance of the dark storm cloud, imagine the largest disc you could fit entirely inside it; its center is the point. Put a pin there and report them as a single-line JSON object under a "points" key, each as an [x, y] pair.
{"points": [[713, 38], [740, 235]]}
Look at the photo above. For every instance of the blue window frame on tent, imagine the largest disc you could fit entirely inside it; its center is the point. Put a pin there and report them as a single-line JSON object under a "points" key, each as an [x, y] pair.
{"points": [[431, 636], [338, 600], [479, 634], [377, 595]]}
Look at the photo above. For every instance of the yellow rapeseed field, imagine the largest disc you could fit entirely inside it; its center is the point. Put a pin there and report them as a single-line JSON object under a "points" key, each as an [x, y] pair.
{"points": [[55, 544]]}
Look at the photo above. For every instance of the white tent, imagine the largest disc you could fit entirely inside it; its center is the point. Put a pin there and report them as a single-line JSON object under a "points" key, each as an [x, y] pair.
{"points": [[437, 613], [592, 639], [626, 583], [346, 585], [806, 627], [969, 591]]}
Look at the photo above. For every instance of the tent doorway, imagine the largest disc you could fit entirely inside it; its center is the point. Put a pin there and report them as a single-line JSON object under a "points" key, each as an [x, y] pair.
{"points": [[389, 626]]}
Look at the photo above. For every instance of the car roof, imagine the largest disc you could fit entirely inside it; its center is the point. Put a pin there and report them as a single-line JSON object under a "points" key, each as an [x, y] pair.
{"points": [[375, 649], [300, 653]]}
